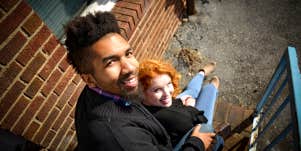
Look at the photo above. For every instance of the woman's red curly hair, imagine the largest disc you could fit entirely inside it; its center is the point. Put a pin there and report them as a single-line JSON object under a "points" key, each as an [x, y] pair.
{"points": [[148, 69]]}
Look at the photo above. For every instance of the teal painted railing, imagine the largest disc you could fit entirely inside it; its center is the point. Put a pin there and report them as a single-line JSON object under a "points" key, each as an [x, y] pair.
{"points": [[281, 101]]}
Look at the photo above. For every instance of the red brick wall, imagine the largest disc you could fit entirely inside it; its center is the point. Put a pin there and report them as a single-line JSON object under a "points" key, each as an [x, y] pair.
{"points": [[39, 89]]}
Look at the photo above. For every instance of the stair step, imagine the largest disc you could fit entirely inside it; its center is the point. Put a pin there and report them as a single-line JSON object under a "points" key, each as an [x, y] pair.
{"points": [[224, 130], [236, 115], [221, 111], [235, 142], [233, 114]]}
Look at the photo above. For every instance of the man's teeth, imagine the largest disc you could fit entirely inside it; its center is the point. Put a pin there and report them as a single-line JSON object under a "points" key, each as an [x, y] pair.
{"points": [[130, 81]]}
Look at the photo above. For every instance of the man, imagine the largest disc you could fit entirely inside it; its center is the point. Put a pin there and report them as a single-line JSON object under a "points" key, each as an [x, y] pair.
{"points": [[106, 116]]}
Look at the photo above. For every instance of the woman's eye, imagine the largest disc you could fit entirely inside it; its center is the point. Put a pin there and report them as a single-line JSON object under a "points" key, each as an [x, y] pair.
{"points": [[156, 90]]}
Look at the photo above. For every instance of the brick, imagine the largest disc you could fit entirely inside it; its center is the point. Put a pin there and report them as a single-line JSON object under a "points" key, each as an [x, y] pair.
{"points": [[73, 144], [159, 15], [32, 24], [139, 49], [31, 130], [13, 20], [73, 126], [34, 87], [49, 138], [59, 54], [64, 81], [33, 67], [8, 4], [64, 64], [49, 47], [28, 115], [124, 34], [126, 19], [66, 95], [48, 105], [141, 3], [66, 140], [128, 12], [130, 6], [63, 115], [12, 48], [8, 76], [14, 114], [77, 79], [52, 62], [46, 125], [72, 113], [10, 98], [60, 135], [144, 26], [35, 43], [76, 94], [51, 82], [156, 30], [125, 26]]}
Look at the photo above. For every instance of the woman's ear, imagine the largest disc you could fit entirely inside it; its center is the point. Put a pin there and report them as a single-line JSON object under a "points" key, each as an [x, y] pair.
{"points": [[89, 79]]}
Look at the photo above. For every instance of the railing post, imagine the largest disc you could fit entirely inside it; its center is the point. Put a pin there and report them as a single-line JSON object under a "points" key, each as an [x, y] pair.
{"points": [[295, 89], [288, 63], [277, 74]]}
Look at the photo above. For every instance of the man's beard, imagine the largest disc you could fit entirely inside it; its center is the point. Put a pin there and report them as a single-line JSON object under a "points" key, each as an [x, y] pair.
{"points": [[132, 96]]}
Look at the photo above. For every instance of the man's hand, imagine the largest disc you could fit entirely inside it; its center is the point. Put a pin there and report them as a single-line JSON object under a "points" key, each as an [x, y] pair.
{"points": [[206, 137]]}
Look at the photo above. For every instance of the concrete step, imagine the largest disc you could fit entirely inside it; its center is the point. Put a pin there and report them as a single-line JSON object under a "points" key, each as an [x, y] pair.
{"points": [[230, 113], [238, 120], [237, 142]]}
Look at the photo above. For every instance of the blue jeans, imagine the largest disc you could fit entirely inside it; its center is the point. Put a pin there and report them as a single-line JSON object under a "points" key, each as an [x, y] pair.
{"points": [[205, 97], [217, 146], [205, 101]]}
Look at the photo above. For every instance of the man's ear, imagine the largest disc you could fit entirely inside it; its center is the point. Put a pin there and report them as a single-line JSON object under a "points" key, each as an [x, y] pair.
{"points": [[89, 79]]}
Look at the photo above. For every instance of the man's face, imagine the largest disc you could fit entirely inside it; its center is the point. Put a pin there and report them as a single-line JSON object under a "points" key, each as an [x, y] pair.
{"points": [[115, 67], [160, 91]]}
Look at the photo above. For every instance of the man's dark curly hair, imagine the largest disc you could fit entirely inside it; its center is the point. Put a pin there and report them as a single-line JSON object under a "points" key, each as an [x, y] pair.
{"points": [[82, 32]]}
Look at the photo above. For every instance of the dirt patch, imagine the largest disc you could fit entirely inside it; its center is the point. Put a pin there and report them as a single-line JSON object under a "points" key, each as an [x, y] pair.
{"points": [[188, 62]]}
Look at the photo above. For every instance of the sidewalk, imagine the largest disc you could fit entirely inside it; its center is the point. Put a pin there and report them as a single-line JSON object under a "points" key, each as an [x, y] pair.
{"points": [[246, 39]]}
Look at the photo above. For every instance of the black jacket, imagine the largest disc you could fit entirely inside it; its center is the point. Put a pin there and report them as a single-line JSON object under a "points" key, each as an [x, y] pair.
{"points": [[104, 125], [177, 119]]}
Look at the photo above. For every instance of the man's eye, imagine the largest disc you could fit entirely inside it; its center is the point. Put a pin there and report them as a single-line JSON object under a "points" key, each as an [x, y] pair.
{"points": [[129, 53], [109, 63]]}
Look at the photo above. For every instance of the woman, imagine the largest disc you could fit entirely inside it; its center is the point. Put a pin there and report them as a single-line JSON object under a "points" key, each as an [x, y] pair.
{"points": [[178, 113]]}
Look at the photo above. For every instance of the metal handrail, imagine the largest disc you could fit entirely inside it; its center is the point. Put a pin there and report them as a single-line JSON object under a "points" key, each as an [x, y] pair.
{"points": [[288, 63]]}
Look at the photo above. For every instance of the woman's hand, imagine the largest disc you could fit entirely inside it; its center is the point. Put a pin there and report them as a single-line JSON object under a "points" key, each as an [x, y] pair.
{"points": [[188, 101]]}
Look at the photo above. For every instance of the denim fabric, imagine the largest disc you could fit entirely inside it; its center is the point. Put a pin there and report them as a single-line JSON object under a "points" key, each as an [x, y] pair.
{"points": [[205, 97], [217, 146]]}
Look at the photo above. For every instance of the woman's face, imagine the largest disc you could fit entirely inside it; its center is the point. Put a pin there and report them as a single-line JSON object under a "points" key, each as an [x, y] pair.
{"points": [[159, 93]]}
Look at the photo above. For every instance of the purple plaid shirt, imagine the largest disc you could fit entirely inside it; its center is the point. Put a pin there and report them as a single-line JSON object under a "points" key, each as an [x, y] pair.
{"points": [[116, 98]]}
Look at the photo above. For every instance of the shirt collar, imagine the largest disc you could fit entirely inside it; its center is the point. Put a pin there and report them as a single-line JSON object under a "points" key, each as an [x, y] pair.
{"points": [[117, 99]]}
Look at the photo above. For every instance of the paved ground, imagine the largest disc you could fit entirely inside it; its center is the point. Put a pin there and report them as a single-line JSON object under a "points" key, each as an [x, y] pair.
{"points": [[246, 38]]}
